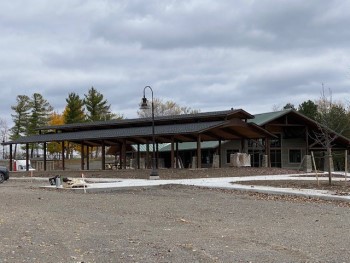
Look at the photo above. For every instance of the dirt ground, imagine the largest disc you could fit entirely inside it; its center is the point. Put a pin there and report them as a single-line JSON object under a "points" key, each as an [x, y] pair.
{"points": [[168, 224], [340, 187]]}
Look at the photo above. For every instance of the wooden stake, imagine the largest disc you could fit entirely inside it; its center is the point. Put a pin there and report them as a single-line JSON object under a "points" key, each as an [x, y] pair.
{"points": [[346, 164], [313, 162]]}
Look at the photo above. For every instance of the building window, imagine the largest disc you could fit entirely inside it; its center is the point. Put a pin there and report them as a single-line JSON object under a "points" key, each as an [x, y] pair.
{"points": [[295, 156], [276, 143], [276, 160]]}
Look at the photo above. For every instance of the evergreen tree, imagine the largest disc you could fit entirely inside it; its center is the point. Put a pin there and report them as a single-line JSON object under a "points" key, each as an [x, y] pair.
{"points": [[39, 116], [74, 111], [97, 107], [309, 109], [289, 106], [20, 118], [41, 111]]}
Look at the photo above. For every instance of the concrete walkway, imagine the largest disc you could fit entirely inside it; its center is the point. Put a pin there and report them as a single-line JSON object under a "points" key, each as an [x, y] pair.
{"points": [[113, 184]]}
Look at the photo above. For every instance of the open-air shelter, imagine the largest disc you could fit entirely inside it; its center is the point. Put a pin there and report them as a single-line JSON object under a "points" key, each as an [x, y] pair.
{"points": [[208, 126]]}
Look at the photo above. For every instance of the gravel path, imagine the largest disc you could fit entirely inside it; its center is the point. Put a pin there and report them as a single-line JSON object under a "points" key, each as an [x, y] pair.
{"points": [[168, 224]]}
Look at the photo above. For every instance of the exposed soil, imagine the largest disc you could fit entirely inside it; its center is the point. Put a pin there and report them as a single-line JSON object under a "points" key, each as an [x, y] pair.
{"points": [[168, 224], [163, 173], [339, 187]]}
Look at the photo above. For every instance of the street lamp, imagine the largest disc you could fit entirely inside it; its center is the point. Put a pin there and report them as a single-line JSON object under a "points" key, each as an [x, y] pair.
{"points": [[3, 148], [145, 105]]}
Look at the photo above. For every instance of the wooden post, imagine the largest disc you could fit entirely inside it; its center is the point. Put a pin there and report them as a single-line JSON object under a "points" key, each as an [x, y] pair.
{"points": [[27, 157], [267, 151], [44, 156], [103, 153], [10, 161], [138, 156], [147, 156], [329, 154], [124, 153], [157, 155], [346, 164], [82, 157], [199, 152], [87, 157], [63, 157], [220, 161], [172, 154], [313, 162]]}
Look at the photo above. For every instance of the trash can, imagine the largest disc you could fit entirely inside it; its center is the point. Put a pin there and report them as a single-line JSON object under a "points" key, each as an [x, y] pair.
{"points": [[56, 180]]}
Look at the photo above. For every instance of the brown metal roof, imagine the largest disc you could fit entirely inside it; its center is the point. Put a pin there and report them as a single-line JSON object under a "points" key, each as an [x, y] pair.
{"points": [[184, 132], [160, 120]]}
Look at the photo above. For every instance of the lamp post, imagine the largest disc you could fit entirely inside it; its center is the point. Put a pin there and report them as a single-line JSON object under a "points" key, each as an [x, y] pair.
{"points": [[145, 105], [3, 148]]}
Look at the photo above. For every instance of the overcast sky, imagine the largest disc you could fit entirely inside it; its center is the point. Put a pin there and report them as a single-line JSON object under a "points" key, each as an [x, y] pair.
{"points": [[208, 55]]}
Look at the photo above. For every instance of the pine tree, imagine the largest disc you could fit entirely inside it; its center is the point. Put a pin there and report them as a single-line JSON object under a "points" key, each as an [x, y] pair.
{"points": [[74, 110], [20, 118], [97, 107]]}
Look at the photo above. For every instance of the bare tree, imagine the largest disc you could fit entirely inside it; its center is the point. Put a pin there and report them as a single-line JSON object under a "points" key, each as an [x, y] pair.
{"points": [[4, 133], [332, 122], [167, 108]]}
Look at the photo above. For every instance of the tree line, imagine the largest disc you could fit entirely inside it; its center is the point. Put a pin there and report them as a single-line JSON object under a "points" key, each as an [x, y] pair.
{"points": [[334, 115], [31, 113]]}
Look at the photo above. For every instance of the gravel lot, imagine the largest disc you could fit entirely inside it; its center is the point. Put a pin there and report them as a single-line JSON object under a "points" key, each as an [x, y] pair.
{"points": [[168, 224]]}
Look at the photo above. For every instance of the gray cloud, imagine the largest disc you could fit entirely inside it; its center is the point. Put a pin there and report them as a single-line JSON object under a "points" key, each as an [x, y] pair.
{"points": [[209, 55]]}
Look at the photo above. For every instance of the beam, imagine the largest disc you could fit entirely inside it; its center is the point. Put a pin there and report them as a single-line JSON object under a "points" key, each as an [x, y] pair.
{"points": [[183, 138]]}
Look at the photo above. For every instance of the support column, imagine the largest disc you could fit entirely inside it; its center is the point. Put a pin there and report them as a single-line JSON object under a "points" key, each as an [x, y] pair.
{"points": [[87, 157], [177, 155], [82, 157], [138, 156], [307, 140], [267, 151], [44, 156], [103, 157], [199, 152], [63, 157], [124, 153], [172, 154], [147, 156], [27, 157], [11, 159], [121, 164], [157, 154], [220, 161]]}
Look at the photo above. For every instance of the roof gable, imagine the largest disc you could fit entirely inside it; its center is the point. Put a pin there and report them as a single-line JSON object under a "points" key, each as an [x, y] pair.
{"points": [[263, 118]]}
